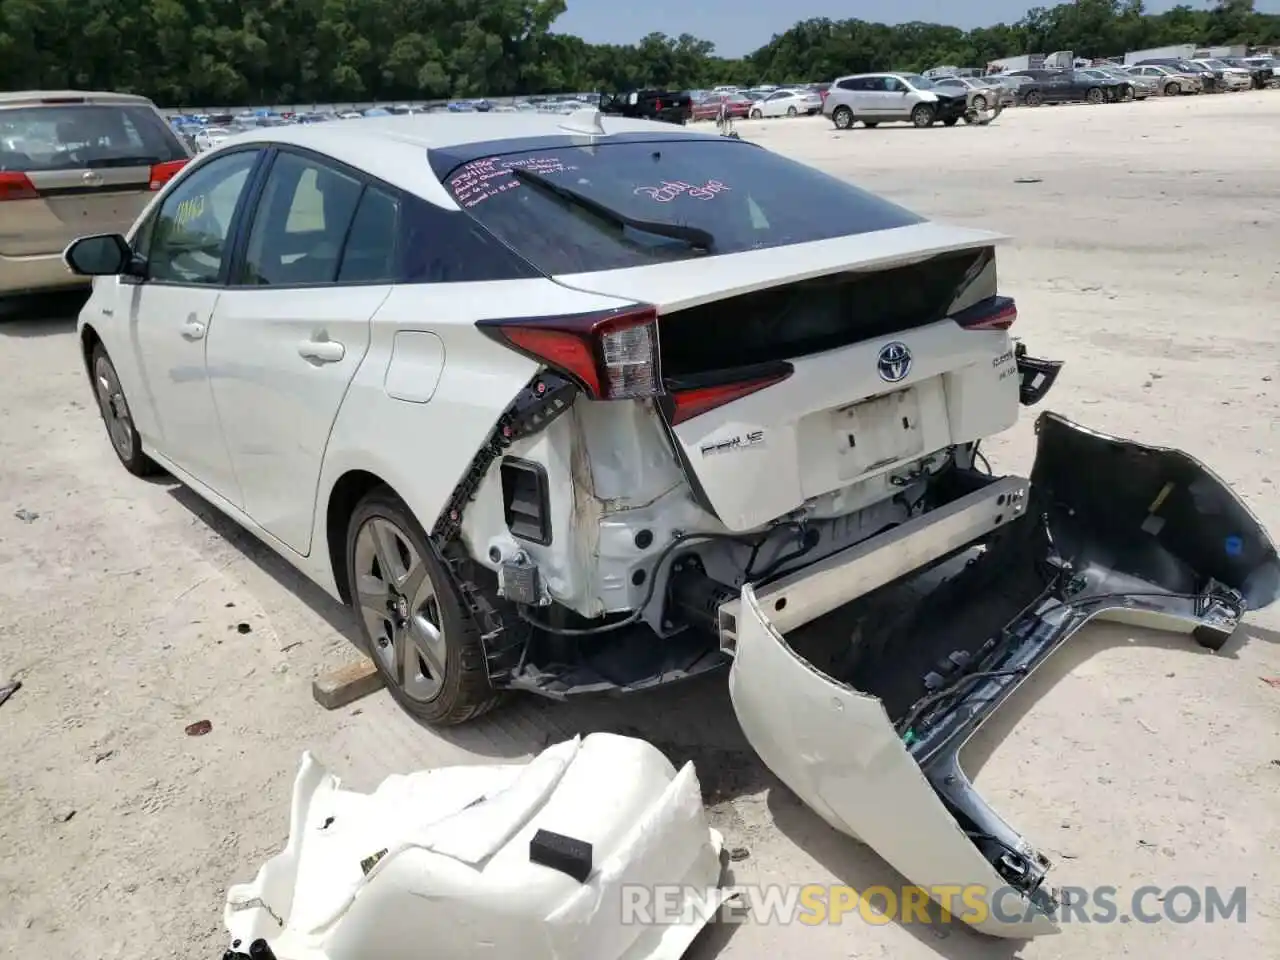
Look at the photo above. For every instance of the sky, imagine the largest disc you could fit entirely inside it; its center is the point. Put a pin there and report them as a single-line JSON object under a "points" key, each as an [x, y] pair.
{"points": [[737, 27]]}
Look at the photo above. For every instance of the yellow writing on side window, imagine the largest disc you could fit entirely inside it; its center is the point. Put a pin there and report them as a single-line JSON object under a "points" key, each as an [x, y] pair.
{"points": [[188, 210]]}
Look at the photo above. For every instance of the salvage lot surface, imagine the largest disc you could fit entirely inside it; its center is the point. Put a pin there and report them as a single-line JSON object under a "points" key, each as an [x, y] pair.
{"points": [[1144, 256]]}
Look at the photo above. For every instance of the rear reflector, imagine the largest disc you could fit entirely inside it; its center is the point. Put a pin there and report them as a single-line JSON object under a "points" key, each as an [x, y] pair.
{"points": [[162, 173], [687, 404], [993, 313], [16, 186], [612, 355]]}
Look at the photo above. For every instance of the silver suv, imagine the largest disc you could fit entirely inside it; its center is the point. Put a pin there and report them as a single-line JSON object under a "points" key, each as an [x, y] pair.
{"points": [[74, 163], [876, 98]]}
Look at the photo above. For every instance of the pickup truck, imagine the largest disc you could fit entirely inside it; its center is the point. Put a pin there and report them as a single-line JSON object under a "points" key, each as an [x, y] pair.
{"points": [[668, 106]]}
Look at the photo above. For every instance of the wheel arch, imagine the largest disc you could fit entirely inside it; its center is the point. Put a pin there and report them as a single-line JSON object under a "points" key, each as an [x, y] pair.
{"points": [[350, 488], [89, 339]]}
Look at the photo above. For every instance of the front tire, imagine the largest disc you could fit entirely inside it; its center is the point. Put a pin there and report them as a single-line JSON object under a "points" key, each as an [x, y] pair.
{"points": [[755, 115], [1094, 95], [842, 117], [792, 112], [922, 115], [1033, 99], [1172, 89], [979, 103], [116, 416], [425, 647]]}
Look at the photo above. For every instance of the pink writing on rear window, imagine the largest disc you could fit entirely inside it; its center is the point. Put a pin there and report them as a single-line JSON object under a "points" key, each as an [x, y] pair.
{"points": [[670, 189], [481, 179]]}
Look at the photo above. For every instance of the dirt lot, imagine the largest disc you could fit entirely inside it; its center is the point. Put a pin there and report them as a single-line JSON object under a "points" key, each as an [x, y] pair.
{"points": [[1144, 255]]}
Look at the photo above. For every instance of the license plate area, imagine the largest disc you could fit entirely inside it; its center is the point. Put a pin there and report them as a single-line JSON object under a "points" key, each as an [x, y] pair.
{"points": [[877, 433]]}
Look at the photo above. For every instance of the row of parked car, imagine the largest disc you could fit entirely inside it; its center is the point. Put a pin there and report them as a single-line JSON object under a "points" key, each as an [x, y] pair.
{"points": [[903, 97], [203, 131]]}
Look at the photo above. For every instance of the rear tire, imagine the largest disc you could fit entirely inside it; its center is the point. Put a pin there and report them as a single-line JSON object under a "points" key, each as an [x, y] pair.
{"points": [[922, 115], [116, 416], [1094, 95], [1126, 94], [425, 646], [842, 117]]}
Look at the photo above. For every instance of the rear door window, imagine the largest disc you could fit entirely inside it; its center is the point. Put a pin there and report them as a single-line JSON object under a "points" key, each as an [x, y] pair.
{"points": [[745, 197], [85, 136], [299, 224]]}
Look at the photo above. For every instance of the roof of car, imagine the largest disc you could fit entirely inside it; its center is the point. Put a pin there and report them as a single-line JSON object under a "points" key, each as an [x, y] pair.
{"points": [[52, 97], [393, 148]]}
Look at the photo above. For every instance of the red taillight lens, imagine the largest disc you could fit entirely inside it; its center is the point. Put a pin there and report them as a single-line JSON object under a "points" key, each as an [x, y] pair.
{"points": [[162, 173], [994, 313], [613, 355], [16, 186], [687, 404]]}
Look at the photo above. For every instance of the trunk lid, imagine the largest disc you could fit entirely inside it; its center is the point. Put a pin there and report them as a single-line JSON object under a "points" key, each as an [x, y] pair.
{"points": [[858, 370]]}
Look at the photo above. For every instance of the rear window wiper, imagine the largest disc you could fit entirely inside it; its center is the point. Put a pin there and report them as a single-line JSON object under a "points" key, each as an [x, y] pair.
{"points": [[696, 237]]}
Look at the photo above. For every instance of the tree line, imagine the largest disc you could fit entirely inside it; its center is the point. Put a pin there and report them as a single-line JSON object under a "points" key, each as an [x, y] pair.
{"points": [[210, 52]]}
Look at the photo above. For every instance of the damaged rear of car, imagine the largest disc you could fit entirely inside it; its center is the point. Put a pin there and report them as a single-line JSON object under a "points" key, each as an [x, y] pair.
{"points": [[757, 443]]}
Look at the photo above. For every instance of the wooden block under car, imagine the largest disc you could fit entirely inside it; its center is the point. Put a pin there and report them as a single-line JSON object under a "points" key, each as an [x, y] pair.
{"points": [[346, 684]]}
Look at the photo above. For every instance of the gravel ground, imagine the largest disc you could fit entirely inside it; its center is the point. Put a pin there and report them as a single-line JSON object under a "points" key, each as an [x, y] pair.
{"points": [[1144, 255]]}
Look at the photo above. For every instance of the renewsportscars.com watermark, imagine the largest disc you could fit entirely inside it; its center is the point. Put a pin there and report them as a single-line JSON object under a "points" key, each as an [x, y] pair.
{"points": [[815, 904]]}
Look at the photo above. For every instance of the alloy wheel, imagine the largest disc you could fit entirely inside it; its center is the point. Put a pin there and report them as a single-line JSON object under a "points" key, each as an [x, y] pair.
{"points": [[115, 411], [400, 609]]}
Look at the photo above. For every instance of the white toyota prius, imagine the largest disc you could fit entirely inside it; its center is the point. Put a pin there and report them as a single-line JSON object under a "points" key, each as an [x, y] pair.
{"points": [[582, 404]]}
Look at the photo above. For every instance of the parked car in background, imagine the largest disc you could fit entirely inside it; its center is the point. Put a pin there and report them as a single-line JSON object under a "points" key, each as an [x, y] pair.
{"points": [[1140, 87], [1261, 69], [735, 105], [666, 106], [1119, 88], [1208, 80], [787, 102], [1232, 78], [1069, 86], [982, 93], [210, 137], [1169, 82], [74, 162], [876, 98]]}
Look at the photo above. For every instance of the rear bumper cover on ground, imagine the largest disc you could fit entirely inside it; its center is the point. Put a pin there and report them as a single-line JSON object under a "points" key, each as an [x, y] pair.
{"points": [[1112, 530]]}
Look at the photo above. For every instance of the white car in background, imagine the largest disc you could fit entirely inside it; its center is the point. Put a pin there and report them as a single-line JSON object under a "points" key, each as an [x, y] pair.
{"points": [[1233, 78], [210, 137], [787, 103], [588, 404]]}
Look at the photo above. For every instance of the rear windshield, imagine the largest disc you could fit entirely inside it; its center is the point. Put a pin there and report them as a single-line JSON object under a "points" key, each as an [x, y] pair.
{"points": [[745, 197], [83, 136]]}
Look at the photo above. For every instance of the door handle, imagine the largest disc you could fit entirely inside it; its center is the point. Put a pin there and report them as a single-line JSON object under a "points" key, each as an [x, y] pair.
{"points": [[193, 330], [321, 351]]}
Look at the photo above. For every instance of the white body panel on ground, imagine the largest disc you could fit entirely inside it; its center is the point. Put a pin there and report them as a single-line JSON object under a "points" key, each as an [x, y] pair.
{"points": [[451, 872]]}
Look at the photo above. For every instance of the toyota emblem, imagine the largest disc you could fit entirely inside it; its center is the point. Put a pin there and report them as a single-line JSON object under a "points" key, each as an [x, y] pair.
{"points": [[894, 362]]}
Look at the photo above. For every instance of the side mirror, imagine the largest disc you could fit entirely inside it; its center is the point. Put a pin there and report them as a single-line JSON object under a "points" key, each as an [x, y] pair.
{"points": [[103, 255]]}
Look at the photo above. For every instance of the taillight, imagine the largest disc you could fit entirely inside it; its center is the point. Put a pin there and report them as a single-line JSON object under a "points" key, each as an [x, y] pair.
{"points": [[16, 186], [695, 401], [162, 173], [993, 313], [612, 355]]}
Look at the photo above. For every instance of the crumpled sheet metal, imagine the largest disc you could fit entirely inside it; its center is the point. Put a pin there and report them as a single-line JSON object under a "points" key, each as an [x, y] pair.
{"points": [[439, 861]]}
